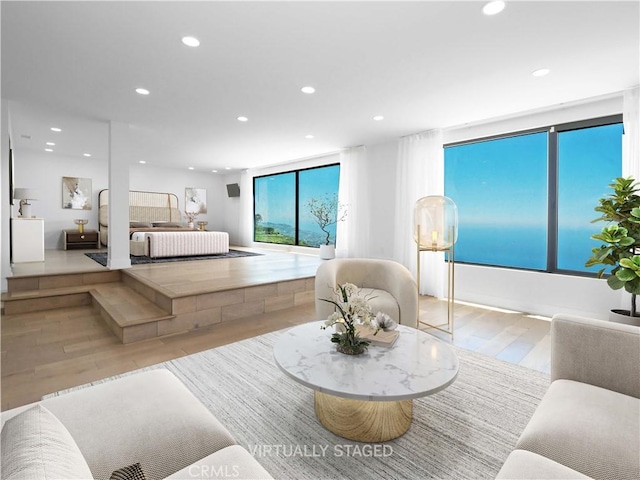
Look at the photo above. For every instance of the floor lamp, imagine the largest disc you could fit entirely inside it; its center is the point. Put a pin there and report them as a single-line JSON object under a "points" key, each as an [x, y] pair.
{"points": [[435, 223]]}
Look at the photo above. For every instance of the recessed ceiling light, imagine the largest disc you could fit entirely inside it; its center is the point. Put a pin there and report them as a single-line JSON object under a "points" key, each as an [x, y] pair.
{"points": [[377, 118], [493, 8], [191, 41], [191, 168], [541, 72], [308, 90], [56, 129], [309, 136], [86, 154], [142, 91], [51, 144], [48, 150], [227, 168], [142, 162], [214, 171], [243, 119]]}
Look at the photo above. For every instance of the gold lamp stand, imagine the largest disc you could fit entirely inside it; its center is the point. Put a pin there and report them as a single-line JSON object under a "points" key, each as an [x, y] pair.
{"points": [[435, 220], [450, 259]]}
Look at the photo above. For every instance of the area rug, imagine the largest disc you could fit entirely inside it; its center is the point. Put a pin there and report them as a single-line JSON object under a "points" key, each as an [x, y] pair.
{"points": [[101, 257], [463, 432]]}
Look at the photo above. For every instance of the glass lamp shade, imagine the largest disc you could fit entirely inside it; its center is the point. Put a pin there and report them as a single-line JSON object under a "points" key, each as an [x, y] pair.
{"points": [[435, 223]]}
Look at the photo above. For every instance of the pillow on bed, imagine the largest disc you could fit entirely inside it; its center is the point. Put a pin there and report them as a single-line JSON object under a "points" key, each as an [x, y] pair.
{"points": [[168, 224], [139, 225]]}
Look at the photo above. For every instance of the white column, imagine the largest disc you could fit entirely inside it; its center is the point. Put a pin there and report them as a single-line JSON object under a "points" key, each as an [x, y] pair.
{"points": [[118, 256], [4, 194], [631, 137]]}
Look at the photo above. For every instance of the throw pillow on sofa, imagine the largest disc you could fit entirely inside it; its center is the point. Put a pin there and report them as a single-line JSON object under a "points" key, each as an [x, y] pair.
{"points": [[35, 444]]}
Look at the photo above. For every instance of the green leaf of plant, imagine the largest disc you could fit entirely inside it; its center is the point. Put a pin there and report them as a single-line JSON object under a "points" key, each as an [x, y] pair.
{"points": [[627, 241], [633, 287], [615, 283], [628, 263], [626, 275]]}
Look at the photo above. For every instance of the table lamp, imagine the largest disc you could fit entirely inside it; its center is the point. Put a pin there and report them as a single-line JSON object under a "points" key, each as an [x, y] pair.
{"points": [[25, 195]]}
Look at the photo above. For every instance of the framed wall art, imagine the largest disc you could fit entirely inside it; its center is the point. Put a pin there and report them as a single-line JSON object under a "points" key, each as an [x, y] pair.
{"points": [[195, 200], [76, 193]]}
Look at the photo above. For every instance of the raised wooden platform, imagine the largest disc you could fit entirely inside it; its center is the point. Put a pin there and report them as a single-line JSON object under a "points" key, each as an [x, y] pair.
{"points": [[155, 300]]}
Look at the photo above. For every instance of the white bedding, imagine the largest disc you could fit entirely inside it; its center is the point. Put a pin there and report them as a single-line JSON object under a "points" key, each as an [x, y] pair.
{"points": [[139, 236], [176, 244]]}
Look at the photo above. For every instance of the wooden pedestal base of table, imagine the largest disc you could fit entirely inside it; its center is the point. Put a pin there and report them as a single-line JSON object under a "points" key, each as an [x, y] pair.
{"points": [[362, 420]]}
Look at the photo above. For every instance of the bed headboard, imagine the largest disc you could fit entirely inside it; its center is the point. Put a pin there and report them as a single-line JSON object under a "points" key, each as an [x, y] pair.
{"points": [[143, 207]]}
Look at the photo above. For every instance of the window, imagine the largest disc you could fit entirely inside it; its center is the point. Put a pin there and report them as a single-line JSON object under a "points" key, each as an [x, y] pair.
{"points": [[588, 160], [527, 200], [281, 206]]}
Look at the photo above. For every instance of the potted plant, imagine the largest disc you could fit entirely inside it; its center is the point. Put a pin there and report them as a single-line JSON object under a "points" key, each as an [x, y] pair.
{"points": [[327, 211], [621, 248]]}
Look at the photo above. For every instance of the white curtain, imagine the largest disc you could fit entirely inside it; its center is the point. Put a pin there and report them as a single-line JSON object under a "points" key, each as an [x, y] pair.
{"points": [[246, 221], [353, 234], [420, 172], [631, 138]]}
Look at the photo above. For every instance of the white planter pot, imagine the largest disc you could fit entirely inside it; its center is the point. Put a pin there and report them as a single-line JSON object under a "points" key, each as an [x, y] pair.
{"points": [[622, 316], [327, 252]]}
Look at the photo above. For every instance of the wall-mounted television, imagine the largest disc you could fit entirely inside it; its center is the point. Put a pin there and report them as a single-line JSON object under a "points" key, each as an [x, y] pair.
{"points": [[233, 189]]}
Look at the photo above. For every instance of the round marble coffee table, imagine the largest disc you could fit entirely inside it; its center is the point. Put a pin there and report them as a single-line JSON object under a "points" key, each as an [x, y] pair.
{"points": [[368, 397]]}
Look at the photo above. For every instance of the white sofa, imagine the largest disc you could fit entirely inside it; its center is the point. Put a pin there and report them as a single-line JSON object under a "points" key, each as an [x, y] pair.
{"points": [[588, 423], [389, 286], [149, 418]]}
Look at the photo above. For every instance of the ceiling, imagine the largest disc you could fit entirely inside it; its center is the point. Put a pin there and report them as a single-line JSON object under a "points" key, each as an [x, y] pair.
{"points": [[421, 65]]}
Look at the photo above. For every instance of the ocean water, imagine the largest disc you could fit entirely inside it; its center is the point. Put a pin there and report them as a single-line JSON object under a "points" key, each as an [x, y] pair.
{"points": [[524, 247]]}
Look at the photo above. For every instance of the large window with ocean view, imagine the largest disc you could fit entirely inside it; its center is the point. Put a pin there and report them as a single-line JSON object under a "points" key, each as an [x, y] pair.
{"points": [[588, 160], [500, 188], [282, 212], [527, 200]]}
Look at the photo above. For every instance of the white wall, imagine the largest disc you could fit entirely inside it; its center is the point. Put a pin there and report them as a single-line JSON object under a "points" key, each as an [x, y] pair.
{"points": [[4, 193], [231, 209], [44, 172]]}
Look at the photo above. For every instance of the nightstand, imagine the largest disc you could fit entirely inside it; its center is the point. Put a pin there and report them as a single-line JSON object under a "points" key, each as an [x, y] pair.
{"points": [[27, 239], [72, 239]]}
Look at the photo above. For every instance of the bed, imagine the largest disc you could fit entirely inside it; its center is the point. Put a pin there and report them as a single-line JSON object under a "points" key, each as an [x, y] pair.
{"points": [[156, 230]]}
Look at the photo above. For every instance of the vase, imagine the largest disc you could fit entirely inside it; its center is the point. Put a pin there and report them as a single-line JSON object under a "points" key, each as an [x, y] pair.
{"points": [[624, 316], [327, 252], [351, 350]]}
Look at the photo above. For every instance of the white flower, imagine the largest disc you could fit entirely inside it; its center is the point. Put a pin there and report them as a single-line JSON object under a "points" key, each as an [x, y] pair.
{"points": [[384, 322], [334, 318], [350, 289]]}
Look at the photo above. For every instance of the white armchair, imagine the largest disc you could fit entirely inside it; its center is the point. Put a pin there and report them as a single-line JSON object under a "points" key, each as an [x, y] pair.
{"points": [[389, 286]]}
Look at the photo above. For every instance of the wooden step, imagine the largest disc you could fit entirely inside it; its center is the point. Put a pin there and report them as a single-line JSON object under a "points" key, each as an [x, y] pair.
{"points": [[34, 293], [28, 283], [128, 314], [39, 300]]}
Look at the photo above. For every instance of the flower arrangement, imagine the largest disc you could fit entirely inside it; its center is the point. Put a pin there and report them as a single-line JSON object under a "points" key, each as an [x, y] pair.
{"points": [[352, 309]]}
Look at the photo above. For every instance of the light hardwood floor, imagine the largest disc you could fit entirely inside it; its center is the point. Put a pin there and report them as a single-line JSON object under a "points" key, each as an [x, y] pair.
{"points": [[44, 352]]}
